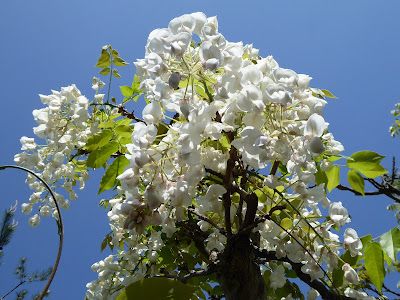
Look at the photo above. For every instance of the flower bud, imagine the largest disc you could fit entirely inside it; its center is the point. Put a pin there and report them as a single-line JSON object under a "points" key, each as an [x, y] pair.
{"points": [[34, 221], [316, 145], [45, 211], [153, 198], [26, 208], [212, 64], [174, 80], [350, 274]]}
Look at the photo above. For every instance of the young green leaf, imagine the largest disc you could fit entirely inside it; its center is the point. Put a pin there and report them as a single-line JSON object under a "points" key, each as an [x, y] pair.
{"points": [[104, 60], [376, 172], [373, 257], [356, 181], [116, 73], [124, 121], [114, 53], [109, 179], [333, 178], [119, 62], [124, 131], [367, 162], [390, 242], [105, 71], [99, 157], [328, 94], [127, 91], [286, 223], [99, 140], [225, 143]]}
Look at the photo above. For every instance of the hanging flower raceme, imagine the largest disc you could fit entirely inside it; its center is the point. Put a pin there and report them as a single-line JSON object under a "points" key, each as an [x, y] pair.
{"points": [[218, 118]]}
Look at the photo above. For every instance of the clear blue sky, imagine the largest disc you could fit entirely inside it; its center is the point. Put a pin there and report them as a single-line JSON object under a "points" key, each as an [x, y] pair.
{"points": [[349, 47]]}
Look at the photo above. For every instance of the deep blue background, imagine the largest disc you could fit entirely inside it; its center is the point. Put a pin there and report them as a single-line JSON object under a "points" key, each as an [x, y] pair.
{"points": [[349, 47]]}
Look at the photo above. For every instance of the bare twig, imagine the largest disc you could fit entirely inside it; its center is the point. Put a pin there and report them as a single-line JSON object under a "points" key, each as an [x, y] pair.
{"points": [[130, 115]]}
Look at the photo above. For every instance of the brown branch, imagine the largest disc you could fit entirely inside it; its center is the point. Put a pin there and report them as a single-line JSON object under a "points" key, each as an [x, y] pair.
{"points": [[389, 290], [212, 172], [122, 110], [226, 198], [345, 188], [204, 218], [210, 270], [274, 167]]}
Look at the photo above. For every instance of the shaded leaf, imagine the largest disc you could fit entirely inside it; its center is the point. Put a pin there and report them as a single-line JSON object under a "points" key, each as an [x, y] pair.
{"points": [[157, 288]]}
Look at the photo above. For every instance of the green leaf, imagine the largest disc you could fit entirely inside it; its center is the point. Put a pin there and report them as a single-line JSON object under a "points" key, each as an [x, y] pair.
{"points": [[108, 124], [333, 178], [328, 94], [225, 142], [99, 140], [99, 157], [116, 73], [390, 242], [105, 71], [124, 131], [127, 91], [119, 62], [352, 261], [320, 177], [378, 171], [367, 163], [109, 179], [373, 257], [114, 53], [286, 223], [366, 160], [104, 244], [365, 239], [104, 60], [356, 181], [338, 277], [124, 121], [135, 85], [157, 288]]}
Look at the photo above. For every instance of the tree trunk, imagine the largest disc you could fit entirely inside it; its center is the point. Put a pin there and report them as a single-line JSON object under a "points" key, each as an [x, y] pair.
{"points": [[238, 273]]}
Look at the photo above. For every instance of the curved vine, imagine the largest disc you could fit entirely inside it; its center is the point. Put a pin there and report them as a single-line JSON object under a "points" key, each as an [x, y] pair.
{"points": [[60, 226]]}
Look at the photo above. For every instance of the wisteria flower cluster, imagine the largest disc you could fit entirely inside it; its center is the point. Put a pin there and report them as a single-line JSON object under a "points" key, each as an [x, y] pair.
{"points": [[218, 112], [229, 145], [63, 126]]}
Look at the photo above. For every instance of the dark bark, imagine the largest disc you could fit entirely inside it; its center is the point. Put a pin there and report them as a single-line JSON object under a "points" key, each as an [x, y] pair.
{"points": [[238, 273]]}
